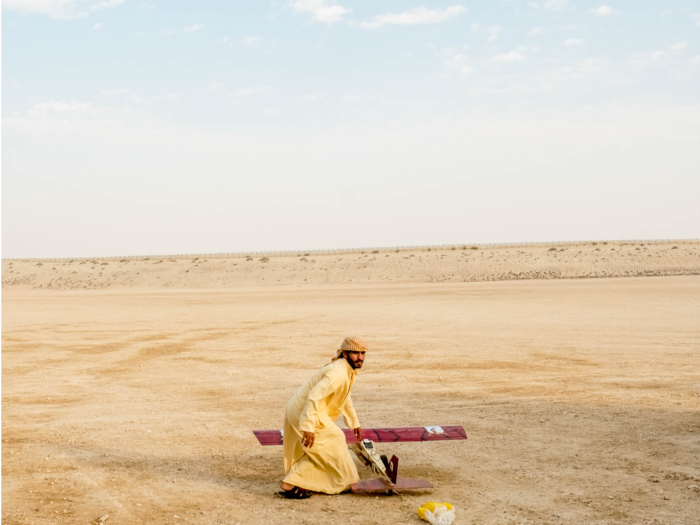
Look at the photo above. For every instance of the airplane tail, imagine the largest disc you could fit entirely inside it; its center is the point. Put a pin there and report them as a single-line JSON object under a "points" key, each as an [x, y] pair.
{"points": [[392, 469]]}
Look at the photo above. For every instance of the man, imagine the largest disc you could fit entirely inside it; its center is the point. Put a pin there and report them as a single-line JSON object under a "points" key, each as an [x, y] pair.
{"points": [[316, 456]]}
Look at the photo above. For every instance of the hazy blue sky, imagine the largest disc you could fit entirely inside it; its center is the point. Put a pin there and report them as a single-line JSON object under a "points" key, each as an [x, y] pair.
{"points": [[134, 127]]}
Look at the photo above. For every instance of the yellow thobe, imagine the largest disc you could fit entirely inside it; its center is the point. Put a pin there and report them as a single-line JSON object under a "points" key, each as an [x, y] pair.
{"points": [[327, 466]]}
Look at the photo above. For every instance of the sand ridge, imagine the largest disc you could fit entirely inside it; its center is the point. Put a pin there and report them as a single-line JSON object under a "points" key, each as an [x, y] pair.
{"points": [[588, 260]]}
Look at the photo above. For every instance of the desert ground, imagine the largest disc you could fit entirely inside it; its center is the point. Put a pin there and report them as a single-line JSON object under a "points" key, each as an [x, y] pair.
{"points": [[133, 394]]}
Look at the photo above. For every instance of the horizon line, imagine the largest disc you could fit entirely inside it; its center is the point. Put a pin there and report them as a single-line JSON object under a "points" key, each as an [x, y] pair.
{"points": [[394, 249]]}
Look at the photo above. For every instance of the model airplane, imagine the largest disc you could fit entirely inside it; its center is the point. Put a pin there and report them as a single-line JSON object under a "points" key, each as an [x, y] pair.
{"points": [[368, 455]]}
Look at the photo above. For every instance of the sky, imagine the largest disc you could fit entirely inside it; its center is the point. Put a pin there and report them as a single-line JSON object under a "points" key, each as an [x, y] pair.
{"points": [[136, 127]]}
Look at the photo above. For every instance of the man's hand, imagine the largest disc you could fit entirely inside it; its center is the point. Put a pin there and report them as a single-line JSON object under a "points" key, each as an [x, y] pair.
{"points": [[307, 439], [358, 433]]}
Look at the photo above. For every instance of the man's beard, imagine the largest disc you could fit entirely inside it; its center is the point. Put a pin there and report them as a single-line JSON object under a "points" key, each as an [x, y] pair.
{"points": [[352, 365]]}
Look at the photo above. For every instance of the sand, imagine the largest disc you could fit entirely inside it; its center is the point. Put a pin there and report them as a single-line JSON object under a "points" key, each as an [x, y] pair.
{"points": [[580, 397], [589, 260]]}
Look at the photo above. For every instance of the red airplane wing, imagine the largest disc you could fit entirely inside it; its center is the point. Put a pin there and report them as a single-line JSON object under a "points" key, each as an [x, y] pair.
{"points": [[382, 435], [382, 485]]}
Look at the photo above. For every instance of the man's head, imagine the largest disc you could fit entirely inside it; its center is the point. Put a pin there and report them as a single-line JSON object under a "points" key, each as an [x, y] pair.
{"points": [[353, 350], [355, 359]]}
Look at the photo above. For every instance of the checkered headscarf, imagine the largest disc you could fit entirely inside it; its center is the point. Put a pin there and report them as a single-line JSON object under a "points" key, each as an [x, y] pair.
{"points": [[354, 343]]}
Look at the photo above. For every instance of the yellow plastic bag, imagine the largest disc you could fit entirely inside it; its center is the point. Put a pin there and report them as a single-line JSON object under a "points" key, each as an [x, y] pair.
{"points": [[437, 513]]}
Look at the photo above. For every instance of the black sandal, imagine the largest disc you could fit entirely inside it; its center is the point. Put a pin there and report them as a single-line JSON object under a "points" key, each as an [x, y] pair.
{"points": [[296, 493]]}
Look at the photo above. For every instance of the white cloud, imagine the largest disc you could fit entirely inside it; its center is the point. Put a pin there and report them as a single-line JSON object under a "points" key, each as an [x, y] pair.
{"points": [[666, 12], [654, 58], [356, 98], [61, 107], [214, 86], [419, 15], [591, 66], [574, 42], [459, 63], [535, 31], [603, 10], [696, 17], [71, 122], [550, 5], [107, 4], [227, 41], [324, 11], [260, 90], [513, 56], [252, 42], [494, 32], [142, 33], [112, 92], [644, 60], [66, 9], [192, 28], [678, 48], [555, 5], [268, 111], [695, 60], [475, 27], [155, 98], [97, 26]]}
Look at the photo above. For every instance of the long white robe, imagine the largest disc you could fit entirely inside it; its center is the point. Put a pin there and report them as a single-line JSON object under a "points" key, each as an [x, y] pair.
{"points": [[327, 466]]}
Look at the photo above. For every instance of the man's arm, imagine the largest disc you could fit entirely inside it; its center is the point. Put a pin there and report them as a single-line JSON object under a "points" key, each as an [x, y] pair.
{"points": [[350, 416], [309, 416]]}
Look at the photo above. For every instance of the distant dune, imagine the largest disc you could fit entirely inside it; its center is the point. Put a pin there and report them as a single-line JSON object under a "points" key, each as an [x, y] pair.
{"points": [[589, 260]]}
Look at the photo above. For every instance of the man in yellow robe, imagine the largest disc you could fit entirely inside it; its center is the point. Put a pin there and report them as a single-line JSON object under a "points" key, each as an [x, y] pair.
{"points": [[316, 456]]}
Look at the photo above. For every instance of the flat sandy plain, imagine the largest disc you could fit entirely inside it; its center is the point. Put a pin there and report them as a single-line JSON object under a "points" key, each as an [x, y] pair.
{"points": [[580, 397]]}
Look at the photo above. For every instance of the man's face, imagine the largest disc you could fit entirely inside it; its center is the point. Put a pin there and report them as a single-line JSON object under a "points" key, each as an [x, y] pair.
{"points": [[355, 359]]}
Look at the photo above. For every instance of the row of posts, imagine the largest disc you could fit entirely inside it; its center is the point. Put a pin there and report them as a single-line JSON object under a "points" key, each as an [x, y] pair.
{"points": [[395, 249]]}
